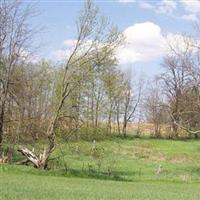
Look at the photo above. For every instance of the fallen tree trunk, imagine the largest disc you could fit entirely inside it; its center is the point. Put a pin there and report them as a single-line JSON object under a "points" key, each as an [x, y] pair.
{"points": [[22, 162], [41, 161], [38, 161]]}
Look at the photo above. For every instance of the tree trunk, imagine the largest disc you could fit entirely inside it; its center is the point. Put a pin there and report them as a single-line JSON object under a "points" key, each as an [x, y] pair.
{"points": [[124, 128], [124, 122], [118, 120], [1, 124], [109, 122]]}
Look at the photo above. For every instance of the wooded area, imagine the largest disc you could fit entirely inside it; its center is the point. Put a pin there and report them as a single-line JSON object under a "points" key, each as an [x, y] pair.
{"points": [[88, 96]]}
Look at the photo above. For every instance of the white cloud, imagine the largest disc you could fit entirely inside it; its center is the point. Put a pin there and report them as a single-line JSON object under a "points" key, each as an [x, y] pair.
{"points": [[192, 9], [180, 43], [26, 55], [59, 55], [189, 17], [68, 47], [192, 6], [166, 7], [146, 5], [162, 7], [144, 42], [69, 43]]}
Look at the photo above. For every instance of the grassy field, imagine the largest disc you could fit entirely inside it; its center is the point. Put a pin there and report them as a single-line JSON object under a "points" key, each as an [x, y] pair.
{"points": [[135, 159], [20, 186], [112, 169]]}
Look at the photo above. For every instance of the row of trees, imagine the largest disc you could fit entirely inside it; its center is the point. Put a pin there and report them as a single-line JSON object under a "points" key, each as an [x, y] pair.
{"points": [[88, 92], [39, 100], [174, 98]]}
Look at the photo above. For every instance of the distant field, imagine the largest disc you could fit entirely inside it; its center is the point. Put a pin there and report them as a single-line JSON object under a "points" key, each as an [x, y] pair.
{"points": [[147, 129], [143, 128], [128, 169]]}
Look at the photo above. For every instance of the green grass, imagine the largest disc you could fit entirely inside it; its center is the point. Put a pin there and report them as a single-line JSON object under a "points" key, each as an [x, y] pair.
{"points": [[22, 186], [115, 169], [133, 160]]}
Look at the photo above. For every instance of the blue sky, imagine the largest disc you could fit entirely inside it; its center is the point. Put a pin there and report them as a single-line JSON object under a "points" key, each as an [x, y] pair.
{"points": [[145, 23]]}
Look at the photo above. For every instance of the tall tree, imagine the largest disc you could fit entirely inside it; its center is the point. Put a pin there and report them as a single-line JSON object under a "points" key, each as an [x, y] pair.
{"points": [[131, 98], [96, 41], [15, 37]]}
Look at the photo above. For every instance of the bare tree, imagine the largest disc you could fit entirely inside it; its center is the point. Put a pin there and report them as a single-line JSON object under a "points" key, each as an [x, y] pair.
{"points": [[132, 97], [155, 109], [15, 37], [180, 82]]}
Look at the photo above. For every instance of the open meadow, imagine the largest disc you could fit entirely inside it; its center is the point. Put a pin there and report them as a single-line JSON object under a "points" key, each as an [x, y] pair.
{"points": [[134, 168]]}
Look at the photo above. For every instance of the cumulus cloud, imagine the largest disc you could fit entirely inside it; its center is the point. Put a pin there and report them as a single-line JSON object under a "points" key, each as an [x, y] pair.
{"points": [[69, 43], [181, 43], [68, 47], [144, 42]]}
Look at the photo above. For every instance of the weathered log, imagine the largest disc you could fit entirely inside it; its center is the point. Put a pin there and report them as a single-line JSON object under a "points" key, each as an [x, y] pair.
{"points": [[38, 161], [22, 162]]}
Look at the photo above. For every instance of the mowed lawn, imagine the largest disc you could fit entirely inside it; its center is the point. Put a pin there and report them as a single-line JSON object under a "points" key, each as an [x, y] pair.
{"points": [[28, 187], [116, 169]]}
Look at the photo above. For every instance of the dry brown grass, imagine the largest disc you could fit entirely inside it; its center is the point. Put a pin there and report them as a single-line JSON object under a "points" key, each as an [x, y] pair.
{"points": [[180, 159], [147, 129]]}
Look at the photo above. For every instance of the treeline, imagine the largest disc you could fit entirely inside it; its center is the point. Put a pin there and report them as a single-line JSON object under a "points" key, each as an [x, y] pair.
{"points": [[99, 94], [101, 102], [42, 101], [88, 96], [174, 97]]}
